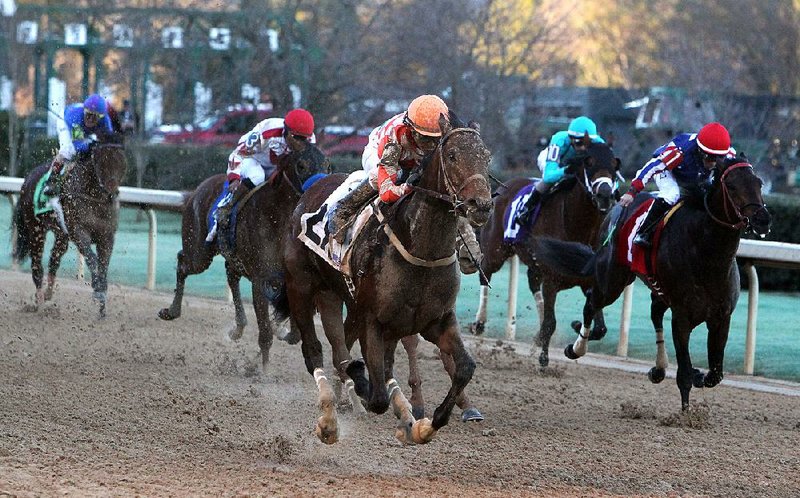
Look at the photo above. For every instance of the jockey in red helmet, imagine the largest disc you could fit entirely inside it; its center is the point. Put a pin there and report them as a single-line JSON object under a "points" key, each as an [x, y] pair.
{"points": [[686, 161], [256, 156]]}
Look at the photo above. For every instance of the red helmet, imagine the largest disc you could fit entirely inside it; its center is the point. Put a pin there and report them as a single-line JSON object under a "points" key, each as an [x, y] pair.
{"points": [[713, 138], [299, 122]]}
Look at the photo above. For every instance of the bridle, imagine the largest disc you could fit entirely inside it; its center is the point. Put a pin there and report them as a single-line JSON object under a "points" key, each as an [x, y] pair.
{"points": [[593, 186], [453, 191], [732, 211]]}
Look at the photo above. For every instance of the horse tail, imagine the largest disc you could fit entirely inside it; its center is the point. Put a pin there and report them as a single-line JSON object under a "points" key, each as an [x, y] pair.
{"points": [[274, 289], [568, 258], [22, 247]]}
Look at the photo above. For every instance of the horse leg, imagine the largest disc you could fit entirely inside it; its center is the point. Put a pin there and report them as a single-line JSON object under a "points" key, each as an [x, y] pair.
{"points": [[468, 411], [657, 310], [718, 328], [489, 265], [400, 405], [189, 264], [104, 248], [479, 325], [372, 345], [301, 307], [535, 285], [235, 333], [580, 346], [446, 336], [59, 248], [329, 306], [686, 375], [410, 344], [261, 306], [83, 240], [37, 239], [548, 318]]}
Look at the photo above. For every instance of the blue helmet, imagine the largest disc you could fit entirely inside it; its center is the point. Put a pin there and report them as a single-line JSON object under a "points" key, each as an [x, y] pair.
{"points": [[582, 126], [96, 104]]}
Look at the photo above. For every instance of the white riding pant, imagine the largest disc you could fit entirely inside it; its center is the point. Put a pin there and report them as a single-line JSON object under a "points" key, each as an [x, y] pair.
{"points": [[668, 188], [369, 162], [251, 169], [66, 148]]}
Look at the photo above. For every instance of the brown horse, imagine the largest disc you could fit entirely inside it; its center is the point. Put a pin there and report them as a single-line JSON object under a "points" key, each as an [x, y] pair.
{"points": [[258, 249], [91, 210], [573, 211], [695, 267], [405, 282]]}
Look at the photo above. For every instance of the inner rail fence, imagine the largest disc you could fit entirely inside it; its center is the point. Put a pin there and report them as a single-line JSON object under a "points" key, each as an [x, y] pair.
{"points": [[751, 253]]}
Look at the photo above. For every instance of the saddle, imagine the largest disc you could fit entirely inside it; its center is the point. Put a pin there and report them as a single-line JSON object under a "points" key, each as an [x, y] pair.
{"points": [[41, 201], [513, 231]]}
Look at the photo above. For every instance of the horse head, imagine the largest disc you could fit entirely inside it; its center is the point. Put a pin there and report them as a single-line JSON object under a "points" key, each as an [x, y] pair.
{"points": [[109, 164], [739, 193], [303, 161], [458, 169], [596, 170]]}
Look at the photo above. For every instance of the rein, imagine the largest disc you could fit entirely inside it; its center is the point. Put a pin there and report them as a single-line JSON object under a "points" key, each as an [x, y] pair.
{"points": [[727, 204]]}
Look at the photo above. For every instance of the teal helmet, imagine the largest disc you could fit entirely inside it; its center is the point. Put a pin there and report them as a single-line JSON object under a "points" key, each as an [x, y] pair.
{"points": [[582, 126]]}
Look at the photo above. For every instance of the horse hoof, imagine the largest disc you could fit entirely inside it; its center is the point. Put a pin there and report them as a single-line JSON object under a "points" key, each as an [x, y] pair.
{"points": [[471, 415], [403, 433], [327, 432], [292, 337], [597, 333], [477, 328], [576, 325], [569, 352], [166, 314], [544, 359], [418, 412], [712, 379], [656, 375], [234, 333], [698, 379], [422, 432]]}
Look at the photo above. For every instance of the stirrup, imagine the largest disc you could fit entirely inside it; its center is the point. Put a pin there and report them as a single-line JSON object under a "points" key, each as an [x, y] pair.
{"points": [[642, 241]]}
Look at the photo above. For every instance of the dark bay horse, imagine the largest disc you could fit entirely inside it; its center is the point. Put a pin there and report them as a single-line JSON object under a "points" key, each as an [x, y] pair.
{"points": [[695, 266], [91, 210], [573, 212], [405, 282], [260, 231]]}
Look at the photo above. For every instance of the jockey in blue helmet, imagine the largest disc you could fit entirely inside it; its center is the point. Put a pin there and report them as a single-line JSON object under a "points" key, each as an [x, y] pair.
{"points": [[564, 145]]}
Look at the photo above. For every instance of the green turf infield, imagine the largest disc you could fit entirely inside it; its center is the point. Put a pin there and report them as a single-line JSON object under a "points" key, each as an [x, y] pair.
{"points": [[777, 345]]}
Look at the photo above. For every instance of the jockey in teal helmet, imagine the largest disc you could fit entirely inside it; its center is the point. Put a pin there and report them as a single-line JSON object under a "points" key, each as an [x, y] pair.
{"points": [[564, 146]]}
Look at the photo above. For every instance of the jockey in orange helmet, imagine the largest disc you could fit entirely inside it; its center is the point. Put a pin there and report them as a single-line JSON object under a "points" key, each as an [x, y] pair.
{"points": [[256, 156], [395, 148]]}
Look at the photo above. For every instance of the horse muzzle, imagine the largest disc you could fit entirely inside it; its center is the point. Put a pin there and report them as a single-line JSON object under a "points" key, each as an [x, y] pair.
{"points": [[478, 212], [760, 221]]}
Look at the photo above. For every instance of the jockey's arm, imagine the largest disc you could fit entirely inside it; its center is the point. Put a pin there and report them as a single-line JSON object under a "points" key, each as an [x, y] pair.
{"points": [[553, 171], [388, 168]]}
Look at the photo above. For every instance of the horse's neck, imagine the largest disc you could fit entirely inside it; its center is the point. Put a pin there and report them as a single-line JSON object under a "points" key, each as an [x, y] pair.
{"points": [[83, 178], [577, 210], [427, 225], [718, 242]]}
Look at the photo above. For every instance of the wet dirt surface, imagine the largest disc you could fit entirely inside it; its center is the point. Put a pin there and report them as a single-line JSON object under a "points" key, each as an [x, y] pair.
{"points": [[135, 405]]}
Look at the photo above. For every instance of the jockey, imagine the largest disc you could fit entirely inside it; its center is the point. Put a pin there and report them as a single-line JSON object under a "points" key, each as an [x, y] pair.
{"points": [[395, 148], [684, 163], [564, 146], [255, 157], [78, 130]]}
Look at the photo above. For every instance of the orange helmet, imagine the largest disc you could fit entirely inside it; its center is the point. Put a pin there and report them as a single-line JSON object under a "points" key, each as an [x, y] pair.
{"points": [[423, 114]]}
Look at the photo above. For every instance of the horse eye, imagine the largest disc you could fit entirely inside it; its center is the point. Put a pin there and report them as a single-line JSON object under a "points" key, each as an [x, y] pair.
{"points": [[451, 156]]}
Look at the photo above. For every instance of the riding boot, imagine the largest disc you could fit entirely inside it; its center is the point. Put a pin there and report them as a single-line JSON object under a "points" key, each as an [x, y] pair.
{"points": [[644, 237], [347, 208], [469, 251], [223, 215], [525, 214]]}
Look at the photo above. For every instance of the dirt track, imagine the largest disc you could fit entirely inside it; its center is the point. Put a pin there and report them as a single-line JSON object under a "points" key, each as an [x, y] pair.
{"points": [[135, 405]]}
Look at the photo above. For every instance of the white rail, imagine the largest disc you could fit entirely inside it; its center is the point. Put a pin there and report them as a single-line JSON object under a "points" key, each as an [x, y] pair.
{"points": [[147, 199]]}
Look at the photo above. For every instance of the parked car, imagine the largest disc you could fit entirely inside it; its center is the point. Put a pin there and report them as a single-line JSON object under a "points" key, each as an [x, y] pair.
{"points": [[224, 129], [343, 140]]}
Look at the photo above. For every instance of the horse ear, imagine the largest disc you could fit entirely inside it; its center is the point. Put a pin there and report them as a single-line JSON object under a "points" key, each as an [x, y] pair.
{"points": [[444, 124], [475, 126]]}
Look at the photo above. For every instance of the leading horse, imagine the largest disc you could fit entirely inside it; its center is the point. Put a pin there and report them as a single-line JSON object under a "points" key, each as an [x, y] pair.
{"points": [[258, 240], [573, 211], [695, 269], [91, 211], [405, 281]]}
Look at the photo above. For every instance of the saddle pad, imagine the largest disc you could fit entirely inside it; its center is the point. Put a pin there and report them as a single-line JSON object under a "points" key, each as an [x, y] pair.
{"points": [[632, 255], [215, 204], [40, 201], [513, 231], [314, 226]]}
